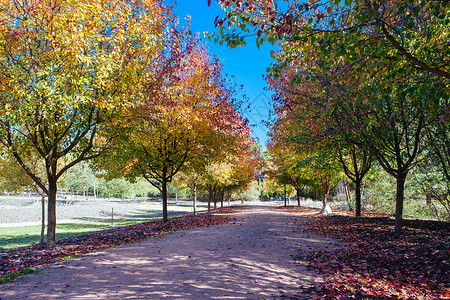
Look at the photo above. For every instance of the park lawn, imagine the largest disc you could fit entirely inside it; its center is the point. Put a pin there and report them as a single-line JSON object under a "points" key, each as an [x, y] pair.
{"points": [[19, 236]]}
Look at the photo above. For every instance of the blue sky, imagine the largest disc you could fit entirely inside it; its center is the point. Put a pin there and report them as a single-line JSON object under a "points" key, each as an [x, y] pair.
{"points": [[247, 64]]}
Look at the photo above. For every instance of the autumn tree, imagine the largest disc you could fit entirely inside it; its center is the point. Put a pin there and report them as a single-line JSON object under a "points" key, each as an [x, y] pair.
{"points": [[389, 66], [190, 175], [187, 112], [314, 164], [356, 163], [414, 33], [67, 67], [286, 167], [233, 173]]}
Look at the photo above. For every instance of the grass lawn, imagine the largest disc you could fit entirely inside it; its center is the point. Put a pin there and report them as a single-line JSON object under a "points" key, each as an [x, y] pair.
{"points": [[14, 237]]}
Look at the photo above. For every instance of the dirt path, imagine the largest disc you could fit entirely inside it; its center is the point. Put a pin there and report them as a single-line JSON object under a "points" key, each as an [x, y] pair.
{"points": [[252, 258]]}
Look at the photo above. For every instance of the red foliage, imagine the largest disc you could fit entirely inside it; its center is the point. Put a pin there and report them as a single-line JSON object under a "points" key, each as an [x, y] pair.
{"points": [[374, 264], [15, 261]]}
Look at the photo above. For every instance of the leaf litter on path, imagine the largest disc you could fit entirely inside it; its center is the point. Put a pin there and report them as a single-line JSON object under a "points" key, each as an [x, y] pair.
{"points": [[25, 260]]}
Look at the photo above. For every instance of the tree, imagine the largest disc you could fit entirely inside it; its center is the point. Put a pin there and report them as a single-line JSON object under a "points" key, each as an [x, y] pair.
{"points": [[391, 30], [188, 112], [81, 178], [234, 173], [287, 167], [191, 177], [356, 163], [370, 58], [67, 67]]}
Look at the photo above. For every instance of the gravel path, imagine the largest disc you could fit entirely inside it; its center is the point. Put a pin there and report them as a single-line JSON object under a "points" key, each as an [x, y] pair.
{"points": [[252, 258]]}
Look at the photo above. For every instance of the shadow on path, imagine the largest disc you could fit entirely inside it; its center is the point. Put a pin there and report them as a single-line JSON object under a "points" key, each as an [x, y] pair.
{"points": [[251, 258]]}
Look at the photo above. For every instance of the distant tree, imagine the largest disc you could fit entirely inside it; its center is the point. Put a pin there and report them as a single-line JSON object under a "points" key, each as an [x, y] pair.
{"points": [[188, 112]]}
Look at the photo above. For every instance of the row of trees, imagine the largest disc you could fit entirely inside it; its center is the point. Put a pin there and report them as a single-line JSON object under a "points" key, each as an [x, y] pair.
{"points": [[118, 83], [355, 82]]}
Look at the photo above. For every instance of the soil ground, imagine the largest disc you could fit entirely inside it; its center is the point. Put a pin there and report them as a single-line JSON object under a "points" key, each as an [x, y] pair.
{"points": [[257, 256]]}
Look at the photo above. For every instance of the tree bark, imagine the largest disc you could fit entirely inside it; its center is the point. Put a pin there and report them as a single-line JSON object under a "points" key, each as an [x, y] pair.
{"points": [[195, 199], [326, 190], [401, 179], [164, 194], [325, 197], [209, 198], [164, 200], [51, 213], [358, 198], [298, 197]]}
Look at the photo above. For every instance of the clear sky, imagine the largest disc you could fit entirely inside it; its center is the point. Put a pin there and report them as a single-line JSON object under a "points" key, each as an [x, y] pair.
{"points": [[247, 64]]}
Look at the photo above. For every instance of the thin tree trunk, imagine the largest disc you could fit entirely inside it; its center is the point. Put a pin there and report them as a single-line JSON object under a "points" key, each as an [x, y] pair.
{"points": [[325, 209], [209, 198], [164, 194], [51, 215], [325, 197], [195, 199], [401, 179], [358, 198], [298, 197]]}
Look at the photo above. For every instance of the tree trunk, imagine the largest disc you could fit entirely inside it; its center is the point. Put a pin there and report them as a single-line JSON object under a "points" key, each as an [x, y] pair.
{"points": [[195, 199], [221, 199], [325, 197], [325, 209], [358, 198], [401, 179], [164, 198], [298, 197], [210, 195], [51, 214]]}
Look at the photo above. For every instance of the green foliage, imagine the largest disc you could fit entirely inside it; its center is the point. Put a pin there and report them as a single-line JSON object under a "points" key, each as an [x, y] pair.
{"points": [[82, 178], [379, 193]]}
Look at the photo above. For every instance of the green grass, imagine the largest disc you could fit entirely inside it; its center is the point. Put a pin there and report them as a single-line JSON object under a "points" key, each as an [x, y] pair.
{"points": [[14, 237]]}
